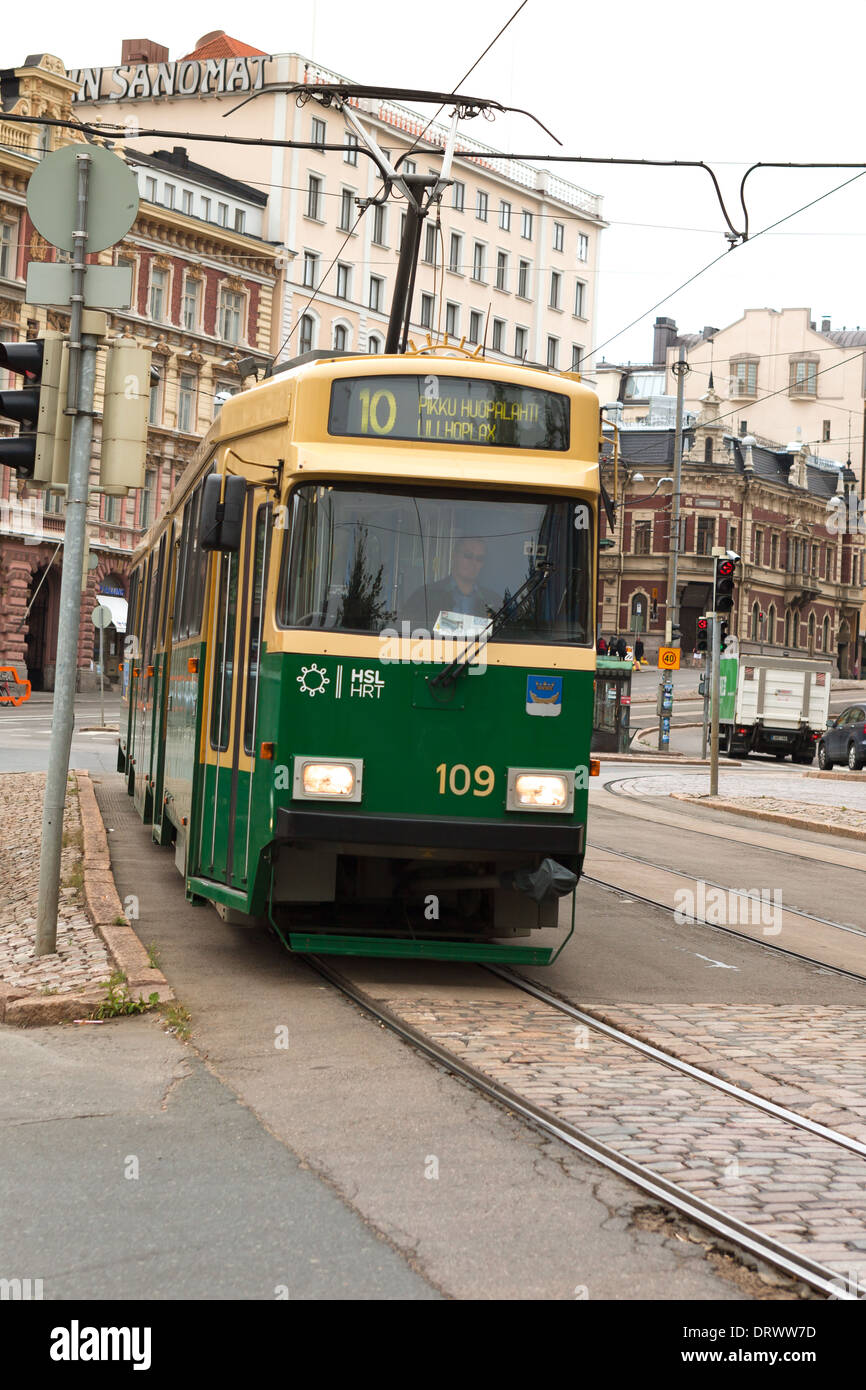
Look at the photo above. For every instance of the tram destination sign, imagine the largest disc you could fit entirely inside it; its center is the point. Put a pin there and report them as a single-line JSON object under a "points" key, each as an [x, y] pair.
{"points": [[450, 410]]}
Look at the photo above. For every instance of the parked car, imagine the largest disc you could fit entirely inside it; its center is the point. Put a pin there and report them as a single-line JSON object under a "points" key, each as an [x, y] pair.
{"points": [[844, 740]]}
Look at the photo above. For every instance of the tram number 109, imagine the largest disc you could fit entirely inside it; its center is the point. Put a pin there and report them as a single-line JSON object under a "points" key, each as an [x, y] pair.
{"points": [[459, 779]]}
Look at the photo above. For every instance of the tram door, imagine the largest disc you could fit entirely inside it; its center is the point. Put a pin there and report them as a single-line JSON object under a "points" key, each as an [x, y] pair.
{"points": [[229, 721]]}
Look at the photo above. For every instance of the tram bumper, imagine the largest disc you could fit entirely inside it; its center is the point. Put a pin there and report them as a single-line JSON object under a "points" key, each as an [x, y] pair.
{"points": [[408, 836]]}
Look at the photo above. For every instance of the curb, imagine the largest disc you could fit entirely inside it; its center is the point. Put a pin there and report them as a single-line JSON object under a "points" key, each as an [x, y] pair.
{"points": [[839, 776], [799, 822], [25, 1009]]}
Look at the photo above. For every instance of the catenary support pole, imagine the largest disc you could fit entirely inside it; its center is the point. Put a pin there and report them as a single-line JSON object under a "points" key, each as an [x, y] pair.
{"points": [[82, 370], [714, 704], [680, 368]]}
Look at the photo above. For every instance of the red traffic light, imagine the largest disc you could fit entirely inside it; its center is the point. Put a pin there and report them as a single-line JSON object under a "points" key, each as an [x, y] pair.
{"points": [[702, 624], [726, 568]]}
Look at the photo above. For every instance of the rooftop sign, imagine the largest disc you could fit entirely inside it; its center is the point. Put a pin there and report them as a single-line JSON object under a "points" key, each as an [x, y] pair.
{"points": [[192, 77]]}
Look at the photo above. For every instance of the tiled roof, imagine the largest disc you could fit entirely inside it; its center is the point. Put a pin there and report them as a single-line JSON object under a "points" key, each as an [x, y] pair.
{"points": [[220, 45], [655, 448], [846, 337]]}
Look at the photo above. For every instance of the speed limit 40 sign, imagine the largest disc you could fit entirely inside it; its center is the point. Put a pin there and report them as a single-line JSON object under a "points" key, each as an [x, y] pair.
{"points": [[669, 658]]}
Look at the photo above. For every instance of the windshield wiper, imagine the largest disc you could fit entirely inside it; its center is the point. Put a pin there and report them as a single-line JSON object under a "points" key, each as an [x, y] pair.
{"points": [[514, 606]]}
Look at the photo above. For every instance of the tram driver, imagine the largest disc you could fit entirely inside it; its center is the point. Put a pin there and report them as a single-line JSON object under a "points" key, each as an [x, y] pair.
{"points": [[460, 592]]}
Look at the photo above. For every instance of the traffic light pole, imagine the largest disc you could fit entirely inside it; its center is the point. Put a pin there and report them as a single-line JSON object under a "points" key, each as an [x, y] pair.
{"points": [[82, 380], [715, 685]]}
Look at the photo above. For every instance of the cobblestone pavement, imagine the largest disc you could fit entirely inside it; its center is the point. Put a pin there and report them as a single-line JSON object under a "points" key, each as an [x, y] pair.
{"points": [[801, 1189], [81, 958], [830, 803]]}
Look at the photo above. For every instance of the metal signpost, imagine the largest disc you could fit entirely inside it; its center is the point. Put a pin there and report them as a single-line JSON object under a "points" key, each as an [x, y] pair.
{"points": [[101, 619], [714, 702], [82, 199]]}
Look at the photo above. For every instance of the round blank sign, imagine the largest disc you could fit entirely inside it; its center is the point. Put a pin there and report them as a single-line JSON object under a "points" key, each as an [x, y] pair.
{"points": [[112, 197], [101, 616]]}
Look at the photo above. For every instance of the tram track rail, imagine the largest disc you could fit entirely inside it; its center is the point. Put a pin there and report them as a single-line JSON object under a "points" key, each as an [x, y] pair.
{"points": [[721, 1224], [730, 931]]}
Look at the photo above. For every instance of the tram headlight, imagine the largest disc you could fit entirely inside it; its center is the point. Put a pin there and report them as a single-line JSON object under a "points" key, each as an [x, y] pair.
{"points": [[328, 779], [540, 790]]}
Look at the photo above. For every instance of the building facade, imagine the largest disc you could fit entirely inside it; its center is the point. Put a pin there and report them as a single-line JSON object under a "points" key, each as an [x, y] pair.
{"points": [[785, 512], [202, 301], [509, 261]]}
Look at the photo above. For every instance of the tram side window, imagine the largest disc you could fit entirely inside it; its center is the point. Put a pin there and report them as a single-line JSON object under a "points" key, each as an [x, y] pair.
{"points": [[162, 620], [146, 596], [260, 570], [157, 567], [196, 571], [180, 580], [132, 618], [224, 648]]}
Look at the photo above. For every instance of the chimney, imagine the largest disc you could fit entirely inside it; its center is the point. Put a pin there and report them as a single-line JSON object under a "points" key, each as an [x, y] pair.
{"points": [[825, 324], [142, 51], [664, 336]]}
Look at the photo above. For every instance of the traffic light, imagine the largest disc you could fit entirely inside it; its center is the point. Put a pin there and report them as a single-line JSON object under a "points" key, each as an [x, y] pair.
{"points": [[723, 582], [723, 632], [37, 407], [703, 633]]}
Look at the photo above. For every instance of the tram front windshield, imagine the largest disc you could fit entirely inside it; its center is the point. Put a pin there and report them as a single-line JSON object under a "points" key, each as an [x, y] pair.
{"points": [[443, 562]]}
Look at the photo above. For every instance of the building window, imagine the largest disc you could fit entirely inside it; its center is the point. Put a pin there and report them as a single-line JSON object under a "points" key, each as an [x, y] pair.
{"points": [[579, 291], [498, 335], [478, 261], [825, 432], [109, 510], [456, 253], [190, 303], [774, 552], [555, 282], [732, 536], [168, 195], [320, 131], [187, 201], [576, 354], [521, 336], [523, 280], [825, 635], [505, 216], [7, 244], [452, 319], [154, 410], [552, 353], [430, 243], [344, 280], [803, 379], [240, 220], [744, 378], [409, 167], [186, 401], [341, 337], [426, 311], [706, 535], [150, 190], [305, 341], [526, 225], [475, 321], [351, 155], [481, 205], [743, 428], [459, 196], [377, 285], [223, 214], [314, 198], [311, 269], [347, 208], [582, 246], [374, 343], [643, 537], [708, 450], [501, 270], [158, 294], [757, 546], [205, 209], [379, 226], [558, 236], [231, 316]]}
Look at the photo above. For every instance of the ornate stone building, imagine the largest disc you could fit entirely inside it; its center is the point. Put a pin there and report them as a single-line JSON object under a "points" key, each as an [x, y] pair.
{"points": [[202, 301], [784, 511]]}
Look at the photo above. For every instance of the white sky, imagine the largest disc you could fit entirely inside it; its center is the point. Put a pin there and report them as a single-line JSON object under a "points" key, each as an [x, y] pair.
{"points": [[729, 84]]}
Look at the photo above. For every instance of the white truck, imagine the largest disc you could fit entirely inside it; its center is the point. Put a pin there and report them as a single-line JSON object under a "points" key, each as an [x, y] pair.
{"points": [[772, 704]]}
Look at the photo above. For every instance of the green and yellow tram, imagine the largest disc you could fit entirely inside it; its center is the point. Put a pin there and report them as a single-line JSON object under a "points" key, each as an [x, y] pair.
{"points": [[360, 682]]}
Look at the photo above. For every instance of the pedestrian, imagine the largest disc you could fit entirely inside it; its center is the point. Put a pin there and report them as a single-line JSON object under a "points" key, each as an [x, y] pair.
{"points": [[638, 651], [621, 649], [601, 647]]}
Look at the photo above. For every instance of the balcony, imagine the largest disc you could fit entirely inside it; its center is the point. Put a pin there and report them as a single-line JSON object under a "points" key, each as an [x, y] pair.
{"points": [[801, 586]]}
